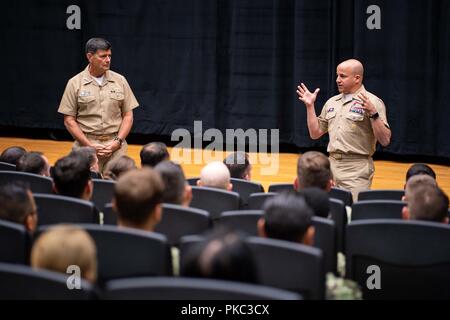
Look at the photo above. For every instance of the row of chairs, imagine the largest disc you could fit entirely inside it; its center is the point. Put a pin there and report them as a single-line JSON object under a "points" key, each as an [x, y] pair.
{"points": [[22, 282], [124, 253], [412, 259]]}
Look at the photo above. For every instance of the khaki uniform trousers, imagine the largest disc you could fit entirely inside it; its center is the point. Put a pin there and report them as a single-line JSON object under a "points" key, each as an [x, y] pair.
{"points": [[352, 172], [105, 139]]}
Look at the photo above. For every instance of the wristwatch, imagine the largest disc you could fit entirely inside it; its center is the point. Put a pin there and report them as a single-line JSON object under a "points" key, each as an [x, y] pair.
{"points": [[119, 139], [374, 116]]}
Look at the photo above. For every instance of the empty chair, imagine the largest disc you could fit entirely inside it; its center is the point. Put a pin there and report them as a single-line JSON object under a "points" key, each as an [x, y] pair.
{"points": [[325, 239], [214, 200], [5, 166], [290, 266], [256, 200], [245, 189], [53, 209], [381, 195], [411, 258], [281, 187], [178, 221], [23, 282], [37, 183], [338, 214], [241, 220], [193, 181], [125, 252], [103, 192], [341, 194], [377, 209], [109, 215], [166, 288], [14, 243]]}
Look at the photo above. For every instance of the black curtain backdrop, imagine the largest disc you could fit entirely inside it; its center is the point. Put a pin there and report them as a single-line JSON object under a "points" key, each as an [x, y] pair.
{"points": [[235, 63]]}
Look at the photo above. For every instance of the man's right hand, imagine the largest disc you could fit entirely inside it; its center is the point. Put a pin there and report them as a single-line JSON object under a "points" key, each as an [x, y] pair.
{"points": [[100, 149], [306, 96]]}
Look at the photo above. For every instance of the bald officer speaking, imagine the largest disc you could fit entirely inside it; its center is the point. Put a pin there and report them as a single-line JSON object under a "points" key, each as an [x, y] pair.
{"points": [[355, 120]]}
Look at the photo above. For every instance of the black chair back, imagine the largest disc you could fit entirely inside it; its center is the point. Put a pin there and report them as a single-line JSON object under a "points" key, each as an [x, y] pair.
{"points": [[245, 189], [14, 243], [381, 195], [37, 183], [214, 200], [377, 209]]}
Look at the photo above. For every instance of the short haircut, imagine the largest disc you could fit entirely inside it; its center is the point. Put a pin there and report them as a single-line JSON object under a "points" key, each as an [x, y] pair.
{"points": [[114, 169], [12, 154], [63, 246], [420, 168], [88, 152], [287, 217], [32, 162], [215, 175], [318, 200], [153, 153], [94, 44], [222, 255], [238, 164], [174, 181], [16, 202], [137, 192], [416, 181], [429, 203], [313, 170], [71, 174]]}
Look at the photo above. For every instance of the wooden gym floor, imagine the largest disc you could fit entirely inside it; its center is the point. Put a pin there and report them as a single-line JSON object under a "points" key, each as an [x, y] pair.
{"points": [[267, 169]]}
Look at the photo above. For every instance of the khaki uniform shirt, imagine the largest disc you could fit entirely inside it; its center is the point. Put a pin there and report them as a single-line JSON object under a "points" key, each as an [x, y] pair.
{"points": [[348, 125], [98, 108]]}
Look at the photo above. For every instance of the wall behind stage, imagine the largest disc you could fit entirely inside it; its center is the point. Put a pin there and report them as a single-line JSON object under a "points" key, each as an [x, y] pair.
{"points": [[235, 63]]}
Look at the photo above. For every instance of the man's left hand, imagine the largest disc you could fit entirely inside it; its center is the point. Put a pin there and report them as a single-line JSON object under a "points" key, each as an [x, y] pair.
{"points": [[110, 148], [367, 104]]}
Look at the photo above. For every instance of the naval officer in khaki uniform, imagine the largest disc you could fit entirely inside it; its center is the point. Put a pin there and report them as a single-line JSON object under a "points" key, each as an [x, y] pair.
{"points": [[98, 105], [355, 120]]}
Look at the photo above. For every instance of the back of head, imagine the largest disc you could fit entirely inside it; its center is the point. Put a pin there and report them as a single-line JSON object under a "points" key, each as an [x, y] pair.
{"points": [[71, 174], [16, 202], [12, 154], [223, 255], [114, 169], [420, 168], [318, 200], [428, 203], [215, 175], [239, 165], [33, 162], [136, 194], [90, 154], [94, 44], [153, 153], [416, 181], [313, 170], [63, 246], [174, 181], [287, 217]]}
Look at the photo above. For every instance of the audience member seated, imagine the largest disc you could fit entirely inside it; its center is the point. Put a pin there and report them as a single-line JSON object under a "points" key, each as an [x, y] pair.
{"points": [[63, 246], [153, 153], [425, 201], [415, 181], [176, 189], [318, 200], [91, 154], [137, 200], [239, 165], [420, 168], [34, 162], [313, 170], [288, 217], [114, 169], [222, 255], [17, 205], [215, 175], [12, 154], [72, 177]]}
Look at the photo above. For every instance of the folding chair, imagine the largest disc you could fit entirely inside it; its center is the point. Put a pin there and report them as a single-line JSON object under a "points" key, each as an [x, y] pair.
{"points": [[256, 200], [214, 200], [377, 209]]}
